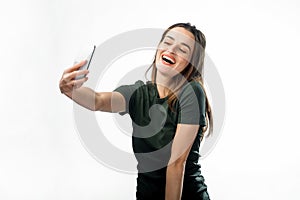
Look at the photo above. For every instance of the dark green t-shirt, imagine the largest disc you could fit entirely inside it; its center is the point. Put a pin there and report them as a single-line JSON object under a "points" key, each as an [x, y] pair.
{"points": [[154, 126]]}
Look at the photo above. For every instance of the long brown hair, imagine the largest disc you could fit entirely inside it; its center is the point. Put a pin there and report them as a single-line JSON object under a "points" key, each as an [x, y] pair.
{"points": [[193, 72]]}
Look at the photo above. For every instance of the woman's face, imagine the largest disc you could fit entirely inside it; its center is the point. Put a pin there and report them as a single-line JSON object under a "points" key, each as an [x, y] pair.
{"points": [[175, 51]]}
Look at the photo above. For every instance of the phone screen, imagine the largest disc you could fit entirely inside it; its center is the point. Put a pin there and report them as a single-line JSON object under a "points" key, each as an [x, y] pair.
{"points": [[87, 64]]}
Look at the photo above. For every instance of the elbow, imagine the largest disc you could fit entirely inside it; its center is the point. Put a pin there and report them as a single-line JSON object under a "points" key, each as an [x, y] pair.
{"points": [[176, 169], [178, 164]]}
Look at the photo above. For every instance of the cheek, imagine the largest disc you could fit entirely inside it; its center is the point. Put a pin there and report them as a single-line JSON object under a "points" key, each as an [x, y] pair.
{"points": [[158, 53], [182, 65], [184, 61]]}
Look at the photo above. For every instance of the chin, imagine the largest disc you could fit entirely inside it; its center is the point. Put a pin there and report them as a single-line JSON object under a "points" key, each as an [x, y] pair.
{"points": [[166, 70]]}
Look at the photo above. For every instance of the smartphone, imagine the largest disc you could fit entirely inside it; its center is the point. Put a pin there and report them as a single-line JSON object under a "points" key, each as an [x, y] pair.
{"points": [[87, 64]]}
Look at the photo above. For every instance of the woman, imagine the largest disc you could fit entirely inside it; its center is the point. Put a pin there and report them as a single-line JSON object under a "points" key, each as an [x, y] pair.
{"points": [[166, 138]]}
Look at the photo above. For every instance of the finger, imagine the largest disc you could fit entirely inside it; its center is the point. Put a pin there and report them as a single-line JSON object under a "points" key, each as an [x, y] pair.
{"points": [[75, 67], [78, 86], [78, 83], [70, 76], [82, 73]]}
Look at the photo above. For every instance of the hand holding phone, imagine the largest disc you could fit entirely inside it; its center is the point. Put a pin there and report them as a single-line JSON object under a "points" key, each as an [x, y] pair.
{"points": [[86, 65]]}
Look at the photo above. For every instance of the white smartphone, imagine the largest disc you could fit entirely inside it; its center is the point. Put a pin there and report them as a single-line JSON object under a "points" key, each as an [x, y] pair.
{"points": [[87, 64]]}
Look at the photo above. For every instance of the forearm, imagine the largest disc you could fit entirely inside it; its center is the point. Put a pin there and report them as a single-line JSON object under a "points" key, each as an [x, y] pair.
{"points": [[85, 97], [174, 181]]}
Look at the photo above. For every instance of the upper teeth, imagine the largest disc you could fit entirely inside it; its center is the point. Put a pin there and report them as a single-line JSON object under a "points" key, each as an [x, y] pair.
{"points": [[168, 59]]}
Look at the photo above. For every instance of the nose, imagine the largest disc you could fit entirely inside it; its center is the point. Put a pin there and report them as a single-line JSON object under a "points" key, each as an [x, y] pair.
{"points": [[171, 49]]}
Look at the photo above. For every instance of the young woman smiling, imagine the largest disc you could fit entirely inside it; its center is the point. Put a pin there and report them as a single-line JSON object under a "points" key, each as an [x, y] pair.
{"points": [[167, 150]]}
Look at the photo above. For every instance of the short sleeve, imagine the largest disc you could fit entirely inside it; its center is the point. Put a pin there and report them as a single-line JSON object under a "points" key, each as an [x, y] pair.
{"points": [[192, 105], [128, 92]]}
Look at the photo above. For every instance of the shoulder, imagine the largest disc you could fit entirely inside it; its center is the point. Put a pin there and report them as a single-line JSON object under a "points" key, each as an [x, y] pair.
{"points": [[131, 87], [144, 87], [139, 83], [192, 88], [192, 104], [139, 88]]}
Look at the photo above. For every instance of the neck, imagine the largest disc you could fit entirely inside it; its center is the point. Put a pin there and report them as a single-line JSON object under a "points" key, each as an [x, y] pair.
{"points": [[164, 84]]}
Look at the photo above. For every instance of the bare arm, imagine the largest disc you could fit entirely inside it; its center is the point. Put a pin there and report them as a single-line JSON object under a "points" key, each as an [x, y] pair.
{"points": [[86, 97], [183, 141]]}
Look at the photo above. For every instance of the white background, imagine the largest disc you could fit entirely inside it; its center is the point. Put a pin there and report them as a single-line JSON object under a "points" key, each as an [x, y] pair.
{"points": [[254, 44]]}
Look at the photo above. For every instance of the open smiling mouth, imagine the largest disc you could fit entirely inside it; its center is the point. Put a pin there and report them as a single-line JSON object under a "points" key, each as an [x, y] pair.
{"points": [[168, 59]]}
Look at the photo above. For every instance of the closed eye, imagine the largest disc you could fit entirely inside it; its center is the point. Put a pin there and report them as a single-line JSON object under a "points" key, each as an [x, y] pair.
{"points": [[183, 51]]}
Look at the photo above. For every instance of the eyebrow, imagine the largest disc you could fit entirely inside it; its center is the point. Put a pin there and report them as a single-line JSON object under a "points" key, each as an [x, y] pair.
{"points": [[170, 37]]}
